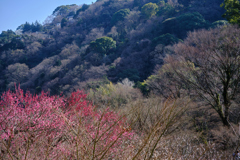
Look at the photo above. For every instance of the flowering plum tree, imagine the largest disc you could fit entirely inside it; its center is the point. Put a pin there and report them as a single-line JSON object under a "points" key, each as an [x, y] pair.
{"points": [[33, 126]]}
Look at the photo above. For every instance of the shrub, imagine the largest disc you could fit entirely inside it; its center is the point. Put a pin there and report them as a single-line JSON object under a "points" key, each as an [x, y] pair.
{"points": [[115, 95]]}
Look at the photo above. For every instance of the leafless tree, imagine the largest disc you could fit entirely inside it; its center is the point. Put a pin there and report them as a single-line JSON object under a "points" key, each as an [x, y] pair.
{"points": [[93, 35], [165, 83], [16, 73], [210, 66]]}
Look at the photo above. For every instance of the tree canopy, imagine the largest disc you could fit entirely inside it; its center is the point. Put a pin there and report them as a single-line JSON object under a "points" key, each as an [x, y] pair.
{"points": [[120, 15], [149, 9], [6, 36], [165, 39], [182, 24], [103, 45], [34, 27], [232, 13]]}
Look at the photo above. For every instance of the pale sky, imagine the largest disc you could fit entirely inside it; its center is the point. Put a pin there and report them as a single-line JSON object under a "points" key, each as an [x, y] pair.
{"points": [[13, 13]]}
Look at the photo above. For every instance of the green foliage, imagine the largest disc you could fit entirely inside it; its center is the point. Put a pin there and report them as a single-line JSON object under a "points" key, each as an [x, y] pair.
{"points": [[103, 45], [165, 9], [14, 43], [25, 27], [120, 15], [34, 27], [219, 23], [143, 87], [232, 13], [149, 9], [182, 24], [7, 36], [132, 31], [63, 22], [165, 39], [94, 85]]}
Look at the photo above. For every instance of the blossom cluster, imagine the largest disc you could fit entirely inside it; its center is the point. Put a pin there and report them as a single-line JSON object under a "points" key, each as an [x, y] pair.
{"points": [[33, 126]]}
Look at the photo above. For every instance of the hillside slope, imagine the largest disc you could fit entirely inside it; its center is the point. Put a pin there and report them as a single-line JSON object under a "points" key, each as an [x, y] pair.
{"points": [[112, 39]]}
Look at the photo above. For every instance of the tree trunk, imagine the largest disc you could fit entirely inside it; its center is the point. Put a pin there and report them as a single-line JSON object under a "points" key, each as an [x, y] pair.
{"points": [[223, 113], [225, 121], [224, 116]]}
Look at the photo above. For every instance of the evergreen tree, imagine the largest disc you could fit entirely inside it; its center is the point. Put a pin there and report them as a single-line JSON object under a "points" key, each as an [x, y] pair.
{"points": [[232, 13], [149, 9], [103, 45]]}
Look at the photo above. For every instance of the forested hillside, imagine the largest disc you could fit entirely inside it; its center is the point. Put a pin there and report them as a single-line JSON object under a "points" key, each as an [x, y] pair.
{"points": [[113, 39], [123, 79]]}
